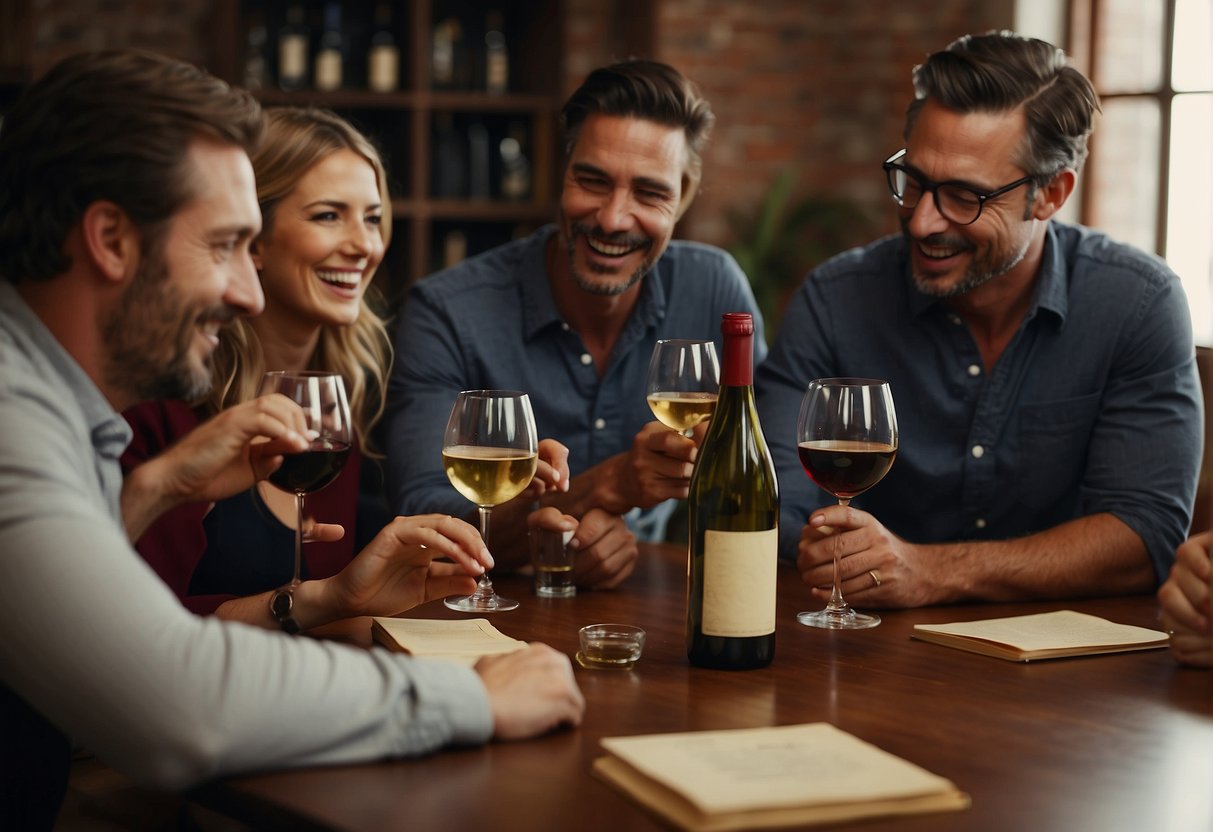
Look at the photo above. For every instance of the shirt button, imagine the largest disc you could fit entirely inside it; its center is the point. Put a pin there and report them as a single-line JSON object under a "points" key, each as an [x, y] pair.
{"points": [[954, 319], [587, 359], [978, 452], [974, 370], [599, 424], [980, 523], [564, 326]]}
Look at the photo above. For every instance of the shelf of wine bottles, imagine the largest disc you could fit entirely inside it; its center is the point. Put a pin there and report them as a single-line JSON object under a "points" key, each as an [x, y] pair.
{"points": [[460, 97]]}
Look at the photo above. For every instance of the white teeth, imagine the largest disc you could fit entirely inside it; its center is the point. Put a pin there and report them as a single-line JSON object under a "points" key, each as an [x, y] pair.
{"points": [[937, 251], [345, 279], [608, 249]]}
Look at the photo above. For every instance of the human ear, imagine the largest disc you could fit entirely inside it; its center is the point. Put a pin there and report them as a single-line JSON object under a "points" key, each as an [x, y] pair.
{"points": [[1050, 197], [111, 240]]}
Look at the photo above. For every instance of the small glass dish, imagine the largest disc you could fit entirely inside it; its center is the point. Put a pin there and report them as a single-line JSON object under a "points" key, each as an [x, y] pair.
{"points": [[610, 645]]}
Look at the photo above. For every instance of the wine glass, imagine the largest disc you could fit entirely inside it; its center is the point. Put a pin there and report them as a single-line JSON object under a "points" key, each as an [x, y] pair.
{"points": [[330, 436], [682, 384], [847, 440], [489, 452]]}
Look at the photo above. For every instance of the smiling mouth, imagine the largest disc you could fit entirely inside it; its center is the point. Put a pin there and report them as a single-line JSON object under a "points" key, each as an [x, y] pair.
{"points": [[938, 252], [342, 280], [608, 249]]}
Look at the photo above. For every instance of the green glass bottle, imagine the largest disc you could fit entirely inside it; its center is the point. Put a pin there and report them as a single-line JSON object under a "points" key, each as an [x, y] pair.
{"points": [[733, 514]]}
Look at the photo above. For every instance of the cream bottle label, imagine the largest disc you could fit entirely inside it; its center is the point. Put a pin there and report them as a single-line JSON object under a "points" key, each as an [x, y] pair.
{"points": [[739, 575]]}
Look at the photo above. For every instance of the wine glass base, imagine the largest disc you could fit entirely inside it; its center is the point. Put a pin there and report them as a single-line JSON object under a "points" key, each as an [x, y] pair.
{"points": [[472, 603], [844, 619]]}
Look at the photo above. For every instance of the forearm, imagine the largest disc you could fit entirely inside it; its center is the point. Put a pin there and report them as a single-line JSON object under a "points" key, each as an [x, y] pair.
{"points": [[144, 499], [1095, 555], [314, 606]]}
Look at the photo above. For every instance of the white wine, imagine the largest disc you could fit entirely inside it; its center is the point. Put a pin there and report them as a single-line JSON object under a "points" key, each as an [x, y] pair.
{"points": [[489, 476], [733, 514], [682, 411]]}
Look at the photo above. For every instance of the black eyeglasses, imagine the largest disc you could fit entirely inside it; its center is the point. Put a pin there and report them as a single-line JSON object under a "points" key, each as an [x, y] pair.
{"points": [[956, 201]]}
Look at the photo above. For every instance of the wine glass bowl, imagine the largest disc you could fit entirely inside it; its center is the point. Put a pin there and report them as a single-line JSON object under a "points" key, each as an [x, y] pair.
{"points": [[321, 396], [683, 382], [846, 437], [490, 454]]}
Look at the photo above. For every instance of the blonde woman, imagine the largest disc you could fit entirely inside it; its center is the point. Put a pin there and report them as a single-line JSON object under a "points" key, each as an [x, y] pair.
{"points": [[325, 228]]}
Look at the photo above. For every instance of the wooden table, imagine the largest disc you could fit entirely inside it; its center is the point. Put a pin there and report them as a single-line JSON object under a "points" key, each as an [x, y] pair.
{"points": [[1120, 742]]}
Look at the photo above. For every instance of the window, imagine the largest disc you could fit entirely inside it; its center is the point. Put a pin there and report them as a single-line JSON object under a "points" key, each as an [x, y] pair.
{"points": [[1149, 179]]}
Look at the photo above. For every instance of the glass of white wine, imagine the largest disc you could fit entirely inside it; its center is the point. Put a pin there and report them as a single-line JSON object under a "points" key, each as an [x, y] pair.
{"points": [[683, 382], [490, 454]]}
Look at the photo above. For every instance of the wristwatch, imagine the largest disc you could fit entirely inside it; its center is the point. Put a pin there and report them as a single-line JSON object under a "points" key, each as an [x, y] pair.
{"points": [[282, 604]]}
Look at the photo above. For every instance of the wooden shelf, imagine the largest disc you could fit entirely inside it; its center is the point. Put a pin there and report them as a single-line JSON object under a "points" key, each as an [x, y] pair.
{"points": [[402, 122]]}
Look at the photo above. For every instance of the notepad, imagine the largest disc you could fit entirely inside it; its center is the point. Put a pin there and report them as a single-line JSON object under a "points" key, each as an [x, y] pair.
{"points": [[463, 640], [758, 778], [1049, 635]]}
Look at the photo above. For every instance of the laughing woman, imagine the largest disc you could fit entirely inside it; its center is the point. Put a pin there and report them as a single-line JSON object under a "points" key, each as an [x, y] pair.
{"points": [[325, 229]]}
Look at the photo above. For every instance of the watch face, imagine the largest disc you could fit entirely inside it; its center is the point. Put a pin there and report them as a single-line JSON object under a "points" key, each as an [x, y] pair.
{"points": [[281, 603]]}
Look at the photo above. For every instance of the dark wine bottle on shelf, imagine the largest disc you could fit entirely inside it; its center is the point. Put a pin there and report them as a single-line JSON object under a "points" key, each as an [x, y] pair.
{"points": [[383, 59], [479, 186], [330, 54], [733, 518], [496, 56], [449, 67], [292, 50], [515, 167], [448, 171], [256, 66]]}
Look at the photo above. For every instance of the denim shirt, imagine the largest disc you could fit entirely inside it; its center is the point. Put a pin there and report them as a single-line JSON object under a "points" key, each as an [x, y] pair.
{"points": [[1093, 407], [491, 323]]}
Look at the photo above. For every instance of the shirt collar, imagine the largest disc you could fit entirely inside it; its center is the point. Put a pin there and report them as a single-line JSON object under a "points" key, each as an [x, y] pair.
{"points": [[109, 431], [1052, 285], [539, 307]]}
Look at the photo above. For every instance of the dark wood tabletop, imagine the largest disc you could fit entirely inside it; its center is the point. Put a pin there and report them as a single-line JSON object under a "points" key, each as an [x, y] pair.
{"points": [[1107, 743]]}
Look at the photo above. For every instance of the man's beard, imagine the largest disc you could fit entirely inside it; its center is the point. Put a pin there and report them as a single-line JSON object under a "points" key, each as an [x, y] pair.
{"points": [[979, 272], [605, 288], [148, 338]]}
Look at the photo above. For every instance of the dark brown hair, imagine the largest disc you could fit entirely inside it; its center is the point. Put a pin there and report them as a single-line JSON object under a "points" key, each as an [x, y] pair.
{"points": [[111, 125], [645, 90], [999, 71]]}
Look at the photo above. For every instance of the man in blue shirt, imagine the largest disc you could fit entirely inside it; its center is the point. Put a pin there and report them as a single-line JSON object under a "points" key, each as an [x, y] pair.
{"points": [[570, 315], [1044, 376]]}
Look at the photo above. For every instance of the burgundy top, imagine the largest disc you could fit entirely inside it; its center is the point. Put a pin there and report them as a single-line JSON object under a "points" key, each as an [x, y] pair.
{"points": [[208, 554]]}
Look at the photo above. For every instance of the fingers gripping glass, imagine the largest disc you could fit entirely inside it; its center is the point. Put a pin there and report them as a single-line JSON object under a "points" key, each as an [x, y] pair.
{"points": [[957, 202]]}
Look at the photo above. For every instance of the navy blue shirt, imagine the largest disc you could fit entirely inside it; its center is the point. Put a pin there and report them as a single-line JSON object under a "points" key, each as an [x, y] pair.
{"points": [[1093, 407], [491, 323]]}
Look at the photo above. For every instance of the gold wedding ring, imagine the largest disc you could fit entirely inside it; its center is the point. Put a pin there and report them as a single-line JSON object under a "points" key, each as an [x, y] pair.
{"points": [[875, 576]]}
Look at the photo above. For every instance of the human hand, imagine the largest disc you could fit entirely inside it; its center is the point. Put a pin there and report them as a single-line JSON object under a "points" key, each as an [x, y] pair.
{"points": [[230, 451], [552, 472], [606, 550], [874, 563], [397, 570], [1185, 603], [658, 467], [531, 691]]}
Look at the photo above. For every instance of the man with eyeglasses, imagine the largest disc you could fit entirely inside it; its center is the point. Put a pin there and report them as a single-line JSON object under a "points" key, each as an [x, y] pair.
{"points": [[1044, 375]]}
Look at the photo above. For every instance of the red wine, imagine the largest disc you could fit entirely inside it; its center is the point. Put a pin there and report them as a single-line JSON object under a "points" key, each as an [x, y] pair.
{"points": [[846, 468], [312, 470]]}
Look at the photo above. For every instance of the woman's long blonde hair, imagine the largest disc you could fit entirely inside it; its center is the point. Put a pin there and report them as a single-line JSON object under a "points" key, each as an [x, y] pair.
{"points": [[295, 140]]}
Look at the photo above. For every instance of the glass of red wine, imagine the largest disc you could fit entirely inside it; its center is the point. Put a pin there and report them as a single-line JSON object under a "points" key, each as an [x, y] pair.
{"points": [[330, 435], [847, 440]]}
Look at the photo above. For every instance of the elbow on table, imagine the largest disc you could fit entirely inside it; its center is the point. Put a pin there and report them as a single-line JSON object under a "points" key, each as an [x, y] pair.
{"points": [[178, 759]]}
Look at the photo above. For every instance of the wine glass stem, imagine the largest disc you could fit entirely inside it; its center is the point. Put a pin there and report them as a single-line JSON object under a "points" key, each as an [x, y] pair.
{"points": [[836, 601], [298, 539], [484, 586]]}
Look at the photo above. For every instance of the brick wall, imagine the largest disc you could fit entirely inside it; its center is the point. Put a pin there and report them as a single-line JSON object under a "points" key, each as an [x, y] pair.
{"points": [[817, 85]]}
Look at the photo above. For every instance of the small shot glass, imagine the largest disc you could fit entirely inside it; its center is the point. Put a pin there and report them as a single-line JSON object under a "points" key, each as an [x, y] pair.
{"points": [[610, 645], [552, 560]]}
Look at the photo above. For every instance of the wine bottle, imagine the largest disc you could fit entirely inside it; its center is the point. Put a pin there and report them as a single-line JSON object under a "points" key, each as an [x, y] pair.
{"points": [[292, 50], [383, 61], [733, 517], [255, 63], [330, 56], [496, 56]]}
